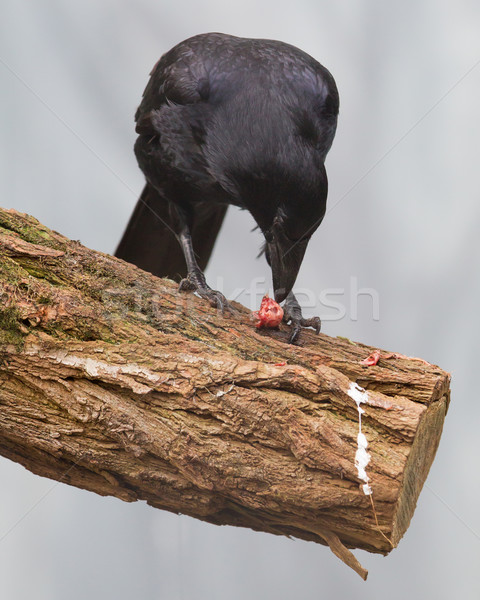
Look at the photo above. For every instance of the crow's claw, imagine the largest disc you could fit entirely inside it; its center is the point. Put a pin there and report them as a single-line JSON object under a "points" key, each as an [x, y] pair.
{"points": [[313, 322], [216, 299], [186, 285], [299, 324], [292, 313]]}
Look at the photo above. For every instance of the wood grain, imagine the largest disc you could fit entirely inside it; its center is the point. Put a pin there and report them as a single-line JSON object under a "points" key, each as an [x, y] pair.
{"points": [[113, 381]]}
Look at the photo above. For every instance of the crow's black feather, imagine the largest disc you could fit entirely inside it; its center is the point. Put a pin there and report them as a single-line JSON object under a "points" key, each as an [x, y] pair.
{"points": [[227, 120]]}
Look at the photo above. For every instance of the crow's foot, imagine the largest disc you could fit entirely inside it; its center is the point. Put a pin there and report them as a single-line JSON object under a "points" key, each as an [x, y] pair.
{"points": [[292, 313], [195, 282]]}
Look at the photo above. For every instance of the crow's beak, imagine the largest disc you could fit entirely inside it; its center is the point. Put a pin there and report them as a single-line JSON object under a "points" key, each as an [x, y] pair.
{"points": [[285, 257]]}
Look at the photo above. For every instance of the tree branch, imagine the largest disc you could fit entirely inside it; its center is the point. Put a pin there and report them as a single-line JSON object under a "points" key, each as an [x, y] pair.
{"points": [[113, 381]]}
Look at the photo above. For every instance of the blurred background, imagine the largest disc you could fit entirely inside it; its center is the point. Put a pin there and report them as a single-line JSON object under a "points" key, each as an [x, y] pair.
{"points": [[398, 252]]}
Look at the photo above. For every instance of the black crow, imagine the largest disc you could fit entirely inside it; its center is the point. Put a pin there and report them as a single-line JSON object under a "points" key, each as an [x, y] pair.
{"points": [[228, 120]]}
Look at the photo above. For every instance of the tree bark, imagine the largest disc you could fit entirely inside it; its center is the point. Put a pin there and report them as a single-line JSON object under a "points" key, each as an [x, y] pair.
{"points": [[113, 381]]}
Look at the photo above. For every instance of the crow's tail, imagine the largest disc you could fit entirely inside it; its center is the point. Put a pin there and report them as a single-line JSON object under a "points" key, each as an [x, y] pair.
{"points": [[149, 241]]}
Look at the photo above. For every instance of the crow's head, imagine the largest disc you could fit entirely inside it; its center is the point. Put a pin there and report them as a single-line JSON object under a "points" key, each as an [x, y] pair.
{"points": [[287, 238], [284, 254]]}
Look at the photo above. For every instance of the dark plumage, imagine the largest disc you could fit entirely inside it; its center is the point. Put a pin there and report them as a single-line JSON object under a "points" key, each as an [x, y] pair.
{"points": [[227, 120]]}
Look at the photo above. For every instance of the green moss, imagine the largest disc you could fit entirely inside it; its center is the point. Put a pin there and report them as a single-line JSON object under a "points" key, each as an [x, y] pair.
{"points": [[26, 226], [86, 330], [10, 327], [44, 234], [35, 268], [10, 270], [44, 300], [345, 339]]}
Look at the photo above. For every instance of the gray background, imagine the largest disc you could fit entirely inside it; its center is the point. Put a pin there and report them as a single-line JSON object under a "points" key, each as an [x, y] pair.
{"points": [[403, 220]]}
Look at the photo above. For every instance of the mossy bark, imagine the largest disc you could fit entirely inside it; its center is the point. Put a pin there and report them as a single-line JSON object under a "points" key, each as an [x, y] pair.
{"points": [[113, 381]]}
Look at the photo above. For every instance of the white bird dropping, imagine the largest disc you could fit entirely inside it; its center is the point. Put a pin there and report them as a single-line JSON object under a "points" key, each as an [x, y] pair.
{"points": [[362, 457]]}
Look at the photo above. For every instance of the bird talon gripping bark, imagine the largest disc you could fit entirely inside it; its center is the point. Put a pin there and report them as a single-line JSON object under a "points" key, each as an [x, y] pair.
{"points": [[292, 313], [215, 298], [231, 121], [314, 322], [298, 324], [186, 285]]}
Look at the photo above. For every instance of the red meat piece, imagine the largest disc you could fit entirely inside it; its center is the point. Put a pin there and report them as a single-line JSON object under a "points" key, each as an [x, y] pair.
{"points": [[270, 313]]}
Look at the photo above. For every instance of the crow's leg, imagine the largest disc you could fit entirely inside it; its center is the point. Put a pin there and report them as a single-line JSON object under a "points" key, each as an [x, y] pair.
{"points": [[292, 313], [195, 280]]}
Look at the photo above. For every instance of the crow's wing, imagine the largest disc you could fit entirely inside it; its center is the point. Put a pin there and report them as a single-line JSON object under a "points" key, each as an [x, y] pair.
{"points": [[149, 240]]}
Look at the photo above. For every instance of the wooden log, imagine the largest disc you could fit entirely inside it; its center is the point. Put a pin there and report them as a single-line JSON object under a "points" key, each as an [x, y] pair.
{"points": [[113, 381]]}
